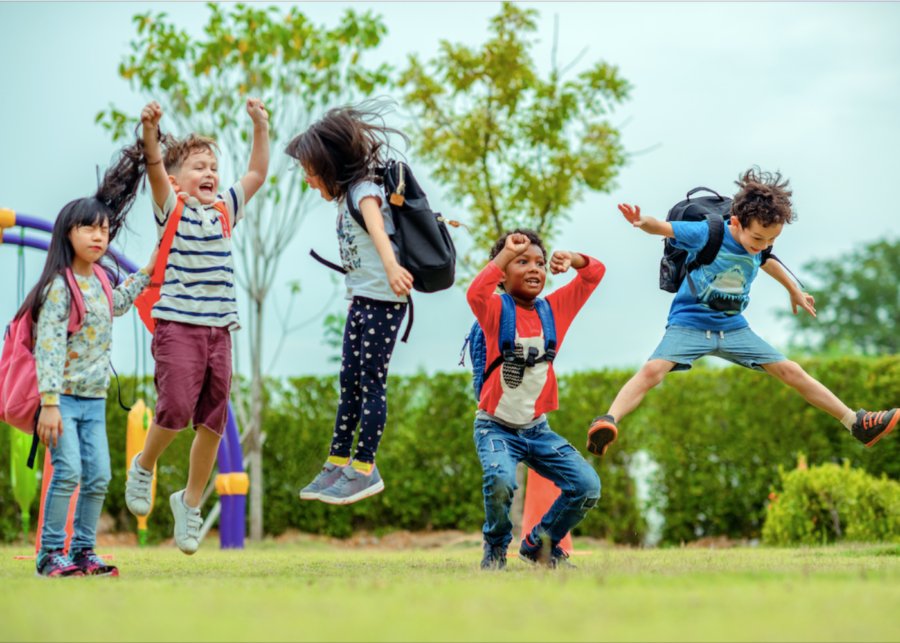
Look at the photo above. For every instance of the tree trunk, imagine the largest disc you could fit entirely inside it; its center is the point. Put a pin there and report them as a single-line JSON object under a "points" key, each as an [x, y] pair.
{"points": [[256, 477]]}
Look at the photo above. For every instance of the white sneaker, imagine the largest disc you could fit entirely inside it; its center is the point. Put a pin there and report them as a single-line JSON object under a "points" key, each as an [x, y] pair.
{"points": [[187, 523], [138, 496]]}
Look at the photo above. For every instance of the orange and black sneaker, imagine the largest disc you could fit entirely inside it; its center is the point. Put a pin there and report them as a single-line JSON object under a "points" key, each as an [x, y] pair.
{"points": [[869, 428], [602, 433]]}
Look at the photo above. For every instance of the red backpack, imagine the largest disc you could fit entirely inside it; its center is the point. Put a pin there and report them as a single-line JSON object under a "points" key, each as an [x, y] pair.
{"points": [[20, 399]]}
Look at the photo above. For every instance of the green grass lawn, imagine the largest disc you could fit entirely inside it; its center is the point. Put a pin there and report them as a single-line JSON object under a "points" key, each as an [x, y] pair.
{"points": [[315, 592]]}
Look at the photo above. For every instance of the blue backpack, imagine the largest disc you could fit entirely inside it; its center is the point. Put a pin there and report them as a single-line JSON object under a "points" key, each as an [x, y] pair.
{"points": [[507, 343]]}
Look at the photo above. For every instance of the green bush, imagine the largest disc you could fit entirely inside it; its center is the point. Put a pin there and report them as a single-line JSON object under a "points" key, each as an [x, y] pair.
{"points": [[829, 503], [719, 437]]}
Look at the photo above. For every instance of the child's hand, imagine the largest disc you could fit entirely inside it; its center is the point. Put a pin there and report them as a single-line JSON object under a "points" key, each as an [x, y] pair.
{"points": [[150, 115], [560, 262], [633, 215], [804, 301], [517, 243], [152, 263], [50, 426], [257, 111], [400, 279]]}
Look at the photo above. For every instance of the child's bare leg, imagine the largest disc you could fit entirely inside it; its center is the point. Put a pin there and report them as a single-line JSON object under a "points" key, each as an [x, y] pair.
{"points": [[158, 440], [650, 375], [203, 459], [814, 392]]}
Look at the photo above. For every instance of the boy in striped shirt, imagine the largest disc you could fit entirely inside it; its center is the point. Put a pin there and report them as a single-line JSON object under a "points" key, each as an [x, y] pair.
{"points": [[197, 307]]}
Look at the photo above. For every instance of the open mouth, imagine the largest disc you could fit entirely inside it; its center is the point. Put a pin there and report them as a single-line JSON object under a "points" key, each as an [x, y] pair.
{"points": [[533, 281], [207, 188]]}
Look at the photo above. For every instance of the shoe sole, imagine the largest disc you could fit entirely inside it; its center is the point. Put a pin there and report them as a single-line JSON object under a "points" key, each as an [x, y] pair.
{"points": [[172, 500], [37, 574], [309, 495], [890, 427], [365, 493], [601, 434]]}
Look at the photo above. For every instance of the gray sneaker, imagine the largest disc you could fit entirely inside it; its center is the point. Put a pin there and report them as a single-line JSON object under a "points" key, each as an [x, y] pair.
{"points": [[138, 489], [352, 486], [329, 474]]}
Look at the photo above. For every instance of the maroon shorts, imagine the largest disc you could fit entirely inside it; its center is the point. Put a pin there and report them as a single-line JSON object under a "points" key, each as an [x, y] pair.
{"points": [[193, 375]]}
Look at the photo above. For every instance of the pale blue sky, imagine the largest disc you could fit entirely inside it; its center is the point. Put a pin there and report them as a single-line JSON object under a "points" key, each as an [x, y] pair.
{"points": [[811, 89]]}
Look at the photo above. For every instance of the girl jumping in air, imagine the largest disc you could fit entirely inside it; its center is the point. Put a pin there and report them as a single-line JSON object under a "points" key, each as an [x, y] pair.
{"points": [[72, 360], [339, 154]]}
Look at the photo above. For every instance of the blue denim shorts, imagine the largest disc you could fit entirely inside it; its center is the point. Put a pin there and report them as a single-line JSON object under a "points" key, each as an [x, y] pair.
{"points": [[741, 346]]}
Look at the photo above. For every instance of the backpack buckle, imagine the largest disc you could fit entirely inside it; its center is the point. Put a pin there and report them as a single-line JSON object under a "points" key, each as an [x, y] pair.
{"points": [[550, 353], [509, 355], [532, 355]]}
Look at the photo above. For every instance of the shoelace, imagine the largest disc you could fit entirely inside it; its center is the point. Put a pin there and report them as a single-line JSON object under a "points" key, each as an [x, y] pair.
{"points": [[92, 557], [140, 479], [559, 552], [875, 418], [60, 560]]}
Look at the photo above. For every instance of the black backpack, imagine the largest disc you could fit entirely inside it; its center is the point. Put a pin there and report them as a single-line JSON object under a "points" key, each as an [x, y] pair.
{"points": [[716, 211], [423, 242]]}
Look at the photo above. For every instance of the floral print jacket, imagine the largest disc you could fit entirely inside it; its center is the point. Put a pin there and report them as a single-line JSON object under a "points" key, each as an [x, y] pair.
{"points": [[79, 364]]}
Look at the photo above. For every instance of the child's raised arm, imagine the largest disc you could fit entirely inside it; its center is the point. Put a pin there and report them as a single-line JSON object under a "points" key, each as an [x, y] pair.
{"points": [[645, 223], [156, 171], [253, 180]]}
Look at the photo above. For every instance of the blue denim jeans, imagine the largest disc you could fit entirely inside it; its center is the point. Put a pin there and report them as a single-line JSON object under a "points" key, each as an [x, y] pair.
{"points": [[80, 456], [548, 454]]}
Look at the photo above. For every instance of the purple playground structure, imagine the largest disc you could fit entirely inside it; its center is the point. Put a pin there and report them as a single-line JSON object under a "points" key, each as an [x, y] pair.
{"points": [[232, 482]]}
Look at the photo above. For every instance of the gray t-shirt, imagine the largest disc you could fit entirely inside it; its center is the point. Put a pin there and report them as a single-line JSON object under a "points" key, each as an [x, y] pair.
{"points": [[365, 276]]}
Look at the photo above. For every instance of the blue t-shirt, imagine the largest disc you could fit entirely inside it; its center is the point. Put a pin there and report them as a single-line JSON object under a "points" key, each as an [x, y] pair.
{"points": [[723, 287]]}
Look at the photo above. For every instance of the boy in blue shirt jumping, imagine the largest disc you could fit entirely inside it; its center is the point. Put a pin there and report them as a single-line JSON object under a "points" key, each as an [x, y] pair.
{"points": [[711, 322]]}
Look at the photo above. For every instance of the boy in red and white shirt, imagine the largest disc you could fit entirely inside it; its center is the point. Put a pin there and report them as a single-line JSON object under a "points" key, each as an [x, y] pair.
{"points": [[511, 424]]}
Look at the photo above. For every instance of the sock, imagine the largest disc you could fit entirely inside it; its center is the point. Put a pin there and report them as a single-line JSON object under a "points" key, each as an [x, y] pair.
{"points": [[341, 462], [849, 420], [363, 467]]}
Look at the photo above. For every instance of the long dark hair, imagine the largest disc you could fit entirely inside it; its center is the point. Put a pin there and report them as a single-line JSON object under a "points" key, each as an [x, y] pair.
{"points": [[342, 148], [114, 197]]}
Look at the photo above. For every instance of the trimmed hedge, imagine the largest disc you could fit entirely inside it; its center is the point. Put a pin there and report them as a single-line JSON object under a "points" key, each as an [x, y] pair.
{"points": [[831, 503], [718, 435]]}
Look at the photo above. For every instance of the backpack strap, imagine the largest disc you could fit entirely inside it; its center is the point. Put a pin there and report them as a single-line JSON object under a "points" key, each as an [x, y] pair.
{"points": [[355, 213], [709, 251], [327, 263], [223, 218], [107, 287], [147, 299], [507, 335], [76, 305], [165, 245], [548, 323]]}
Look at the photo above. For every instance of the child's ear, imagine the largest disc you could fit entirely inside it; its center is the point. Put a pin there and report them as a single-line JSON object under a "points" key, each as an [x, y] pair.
{"points": [[735, 222], [173, 182]]}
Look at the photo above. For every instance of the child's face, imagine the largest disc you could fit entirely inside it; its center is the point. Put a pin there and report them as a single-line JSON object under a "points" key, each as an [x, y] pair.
{"points": [[198, 176], [755, 238], [316, 184], [526, 274], [90, 241]]}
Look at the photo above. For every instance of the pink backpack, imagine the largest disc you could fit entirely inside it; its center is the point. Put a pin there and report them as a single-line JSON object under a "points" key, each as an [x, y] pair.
{"points": [[20, 400]]}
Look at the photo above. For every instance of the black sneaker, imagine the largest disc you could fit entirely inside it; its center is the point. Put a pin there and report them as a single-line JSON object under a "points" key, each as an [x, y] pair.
{"points": [[494, 557], [602, 433], [869, 428]]}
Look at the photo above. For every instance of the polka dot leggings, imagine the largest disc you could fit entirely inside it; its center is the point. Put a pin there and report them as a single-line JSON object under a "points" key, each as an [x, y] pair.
{"points": [[369, 339]]}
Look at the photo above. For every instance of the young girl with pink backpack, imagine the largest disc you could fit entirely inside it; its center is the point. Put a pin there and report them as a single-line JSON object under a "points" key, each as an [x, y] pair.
{"points": [[54, 370]]}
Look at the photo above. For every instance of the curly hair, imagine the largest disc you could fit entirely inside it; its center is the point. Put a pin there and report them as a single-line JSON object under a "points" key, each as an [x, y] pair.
{"points": [[533, 237], [343, 147], [763, 196], [177, 150]]}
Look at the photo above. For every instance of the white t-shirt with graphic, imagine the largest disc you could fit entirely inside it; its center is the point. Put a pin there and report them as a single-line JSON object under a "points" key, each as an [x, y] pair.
{"points": [[365, 276]]}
